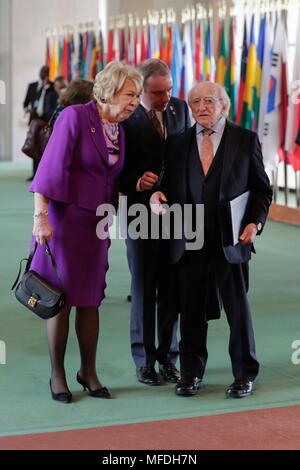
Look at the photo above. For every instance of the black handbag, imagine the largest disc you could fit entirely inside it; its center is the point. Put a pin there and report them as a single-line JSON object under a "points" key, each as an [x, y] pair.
{"points": [[37, 294]]}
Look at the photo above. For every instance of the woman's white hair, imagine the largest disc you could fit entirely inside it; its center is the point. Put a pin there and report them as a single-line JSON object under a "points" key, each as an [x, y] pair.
{"points": [[112, 78], [222, 94]]}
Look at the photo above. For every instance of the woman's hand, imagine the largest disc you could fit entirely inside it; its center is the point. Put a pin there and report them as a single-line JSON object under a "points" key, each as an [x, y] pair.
{"points": [[42, 229]]}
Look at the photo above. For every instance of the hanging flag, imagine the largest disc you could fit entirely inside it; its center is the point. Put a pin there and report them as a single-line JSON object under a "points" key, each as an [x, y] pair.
{"points": [[176, 65], [54, 59], [100, 55], [89, 55], [116, 44], [284, 91], [71, 56], [248, 113], [208, 72], [110, 46], [242, 76], [154, 45], [65, 58], [209, 62], [169, 45], [258, 72], [292, 137], [130, 51], [138, 44], [270, 139], [48, 53], [222, 55], [122, 44], [198, 51], [231, 79], [265, 80], [93, 64], [144, 45], [81, 63], [163, 42], [187, 72]]}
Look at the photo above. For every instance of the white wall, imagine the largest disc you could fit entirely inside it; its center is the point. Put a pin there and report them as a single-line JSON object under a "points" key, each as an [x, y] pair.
{"points": [[5, 80], [30, 19]]}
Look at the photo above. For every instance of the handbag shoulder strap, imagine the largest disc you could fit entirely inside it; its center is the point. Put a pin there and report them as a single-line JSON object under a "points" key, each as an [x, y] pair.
{"points": [[29, 260]]}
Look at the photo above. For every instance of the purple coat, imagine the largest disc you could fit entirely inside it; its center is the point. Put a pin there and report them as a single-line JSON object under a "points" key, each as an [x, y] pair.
{"points": [[74, 167], [75, 175]]}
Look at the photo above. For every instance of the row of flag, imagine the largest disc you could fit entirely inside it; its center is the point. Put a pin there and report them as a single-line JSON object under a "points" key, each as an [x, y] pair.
{"points": [[262, 98], [71, 59]]}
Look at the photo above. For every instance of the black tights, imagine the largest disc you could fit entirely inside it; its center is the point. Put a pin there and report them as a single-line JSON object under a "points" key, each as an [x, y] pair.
{"points": [[87, 330]]}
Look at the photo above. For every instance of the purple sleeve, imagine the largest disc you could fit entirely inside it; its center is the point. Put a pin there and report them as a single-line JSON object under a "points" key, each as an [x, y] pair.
{"points": [[53, 174]]}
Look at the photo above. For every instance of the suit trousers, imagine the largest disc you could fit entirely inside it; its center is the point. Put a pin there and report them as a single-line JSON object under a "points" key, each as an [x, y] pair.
{"points": [[151, 295], [232, 282]]}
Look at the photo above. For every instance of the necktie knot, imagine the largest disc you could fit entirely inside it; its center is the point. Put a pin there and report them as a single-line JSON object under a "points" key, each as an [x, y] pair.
{"points": [[156, 122], [207, 132]]}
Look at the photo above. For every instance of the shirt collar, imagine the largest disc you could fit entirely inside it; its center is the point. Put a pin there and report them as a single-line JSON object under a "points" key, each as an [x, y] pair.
{"points": [[158, 113], [218, 127]]}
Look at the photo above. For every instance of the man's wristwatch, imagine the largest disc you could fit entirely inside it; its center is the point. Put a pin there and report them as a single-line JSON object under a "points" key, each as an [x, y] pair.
{"points": [[258, 226]]}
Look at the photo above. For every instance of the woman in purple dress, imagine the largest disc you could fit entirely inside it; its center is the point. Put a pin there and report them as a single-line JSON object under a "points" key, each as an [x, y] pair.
{"points": [[79, 171]]}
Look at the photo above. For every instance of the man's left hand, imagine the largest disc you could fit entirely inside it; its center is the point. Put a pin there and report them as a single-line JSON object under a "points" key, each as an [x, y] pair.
{"points": [[248, 234]]}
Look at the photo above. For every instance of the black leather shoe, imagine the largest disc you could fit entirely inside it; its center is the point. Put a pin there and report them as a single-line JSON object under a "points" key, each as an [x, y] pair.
{"points": [[101, 392], [147, 375], [169, 373], [239, 389], [187, 387], [63, 397]]}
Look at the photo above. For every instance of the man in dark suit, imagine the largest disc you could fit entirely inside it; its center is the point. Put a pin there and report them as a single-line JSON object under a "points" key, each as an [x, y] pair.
{"points": [[211, 164], [157, 118], [35, 98]]}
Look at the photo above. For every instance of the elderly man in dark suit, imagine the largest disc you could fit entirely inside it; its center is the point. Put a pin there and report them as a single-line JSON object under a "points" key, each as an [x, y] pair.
{"points": [[157, 118], [212, 163]]}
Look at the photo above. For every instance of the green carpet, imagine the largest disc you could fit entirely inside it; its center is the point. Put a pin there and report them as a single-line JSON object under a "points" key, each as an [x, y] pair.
{"points": [[25, 405]]}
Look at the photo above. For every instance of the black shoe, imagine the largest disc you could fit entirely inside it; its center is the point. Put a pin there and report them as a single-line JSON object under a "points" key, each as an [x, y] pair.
{"points": [[147, 375], [187, 387], [128, 298], [101, 392], [63, 397], [169, 372], [30, 179], [239, 389]]}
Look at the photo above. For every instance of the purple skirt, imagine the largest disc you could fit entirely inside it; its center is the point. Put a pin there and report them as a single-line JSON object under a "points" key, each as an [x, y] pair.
{"points": [[81, 257]]}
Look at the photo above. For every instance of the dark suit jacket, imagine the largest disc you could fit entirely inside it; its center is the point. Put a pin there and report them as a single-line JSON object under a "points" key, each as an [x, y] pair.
{"points": [[32, 95], [144, 148], [242, 170], [51, 103]]}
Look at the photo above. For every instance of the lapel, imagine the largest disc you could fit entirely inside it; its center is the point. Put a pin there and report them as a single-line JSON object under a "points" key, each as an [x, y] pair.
{"points": [[143, 119], [232, 144], [95, 130], [170, 119], [195, 172]]}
